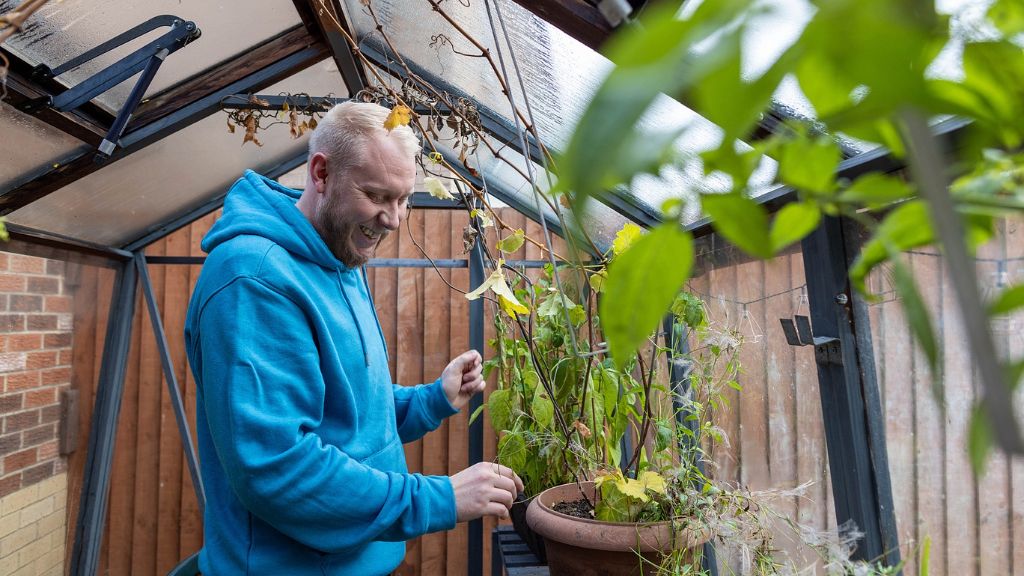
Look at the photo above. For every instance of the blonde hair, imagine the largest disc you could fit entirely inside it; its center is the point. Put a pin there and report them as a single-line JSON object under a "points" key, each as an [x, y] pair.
{"points": [[346, 127]]}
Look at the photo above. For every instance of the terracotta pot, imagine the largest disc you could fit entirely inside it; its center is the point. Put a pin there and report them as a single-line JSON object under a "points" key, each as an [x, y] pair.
{"points": [[583, 547]]}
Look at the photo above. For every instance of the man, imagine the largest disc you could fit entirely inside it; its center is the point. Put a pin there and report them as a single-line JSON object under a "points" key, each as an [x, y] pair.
{"points": [[300, 427]]}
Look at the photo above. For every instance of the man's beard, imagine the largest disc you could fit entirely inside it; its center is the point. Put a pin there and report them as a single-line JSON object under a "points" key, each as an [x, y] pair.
{"points": [[327, 222]]}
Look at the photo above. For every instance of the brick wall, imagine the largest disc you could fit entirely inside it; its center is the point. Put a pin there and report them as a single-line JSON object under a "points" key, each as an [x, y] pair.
{"points": [[35, 365], [33, 529]]}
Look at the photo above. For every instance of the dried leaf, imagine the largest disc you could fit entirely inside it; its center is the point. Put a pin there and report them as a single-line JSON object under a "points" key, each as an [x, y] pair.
{"points": [[582, 429], [256, 100], [469, 235], [399, 116], [293, 125], [231, 127], [485, 220], [312, 123], [506, 299]]}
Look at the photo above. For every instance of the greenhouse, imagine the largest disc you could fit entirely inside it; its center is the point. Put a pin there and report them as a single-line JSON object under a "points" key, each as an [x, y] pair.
{"points": [[521, 287]]}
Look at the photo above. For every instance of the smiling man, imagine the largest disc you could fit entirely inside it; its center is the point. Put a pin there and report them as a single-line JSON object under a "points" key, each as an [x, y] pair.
{"points": [[300, 426]]}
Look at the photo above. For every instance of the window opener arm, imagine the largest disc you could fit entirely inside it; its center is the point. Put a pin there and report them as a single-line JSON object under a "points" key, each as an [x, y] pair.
{"points": [[146, 59]]}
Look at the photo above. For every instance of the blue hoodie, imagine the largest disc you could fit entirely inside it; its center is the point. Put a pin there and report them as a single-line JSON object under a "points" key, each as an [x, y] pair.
{"points": [[300, 427]]}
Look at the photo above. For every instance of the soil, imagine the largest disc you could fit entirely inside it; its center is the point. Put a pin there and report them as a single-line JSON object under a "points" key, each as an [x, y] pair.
{"points": [[577, 508]]}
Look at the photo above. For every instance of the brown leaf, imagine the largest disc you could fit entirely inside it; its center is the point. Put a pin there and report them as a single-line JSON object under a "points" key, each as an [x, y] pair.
{"points": [[582, 429], [253, 99], [231, 127]]}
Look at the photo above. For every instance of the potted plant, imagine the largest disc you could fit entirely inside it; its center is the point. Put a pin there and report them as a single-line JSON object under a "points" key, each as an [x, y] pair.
{"points": [[615, 441]]}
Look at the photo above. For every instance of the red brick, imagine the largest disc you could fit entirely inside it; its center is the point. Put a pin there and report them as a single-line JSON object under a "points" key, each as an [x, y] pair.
{"points": [[16, 322], [10, 403], [41, 397], [58, 340], [21, 381], [10, 443], [49, 414], [38, 435], [21, 421], [43, 360], [12, 283], [60, 466], [42, 322], [43, 285], [27, 264], [37, 474], [65, 357], [26, 303], [48, 451], [10, 485], [56, 376], [3, 301], [58, 304], [3, 261], [19, 460], [55, 267], [23, 342]]}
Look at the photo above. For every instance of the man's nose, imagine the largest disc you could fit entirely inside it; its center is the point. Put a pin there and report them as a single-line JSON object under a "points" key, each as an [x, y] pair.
{"points": [[391, 216]]}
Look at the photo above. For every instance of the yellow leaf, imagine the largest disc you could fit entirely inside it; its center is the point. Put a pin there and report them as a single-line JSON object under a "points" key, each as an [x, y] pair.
{"points": [[485, 220], [615, 476], [625, 237], [633, 489], [437, 188], [435, 157], [653, 481], [496, 283], [399, 116], [511, 307], [597, 280]]}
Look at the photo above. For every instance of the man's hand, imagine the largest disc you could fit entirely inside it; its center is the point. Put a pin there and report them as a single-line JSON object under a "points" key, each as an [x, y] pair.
{"points": [[485, 489], [461, 378]]}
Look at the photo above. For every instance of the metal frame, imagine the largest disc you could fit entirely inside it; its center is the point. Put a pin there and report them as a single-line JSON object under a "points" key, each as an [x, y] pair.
{"points": [[850, 400], [475, 550], [173, 391], [92, 511]]}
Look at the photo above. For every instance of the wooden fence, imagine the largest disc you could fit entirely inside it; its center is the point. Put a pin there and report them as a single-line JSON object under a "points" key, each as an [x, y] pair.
{"points": [[775, 428]]}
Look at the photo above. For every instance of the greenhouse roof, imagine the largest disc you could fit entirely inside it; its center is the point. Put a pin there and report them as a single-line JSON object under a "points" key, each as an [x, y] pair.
{"points": [[176, 157]]}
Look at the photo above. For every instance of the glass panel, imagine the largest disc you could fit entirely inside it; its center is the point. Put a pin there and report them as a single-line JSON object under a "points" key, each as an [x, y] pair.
{"points": [[60, 31], [969, 519], [774, 429], [29, 147], [130, 197]]}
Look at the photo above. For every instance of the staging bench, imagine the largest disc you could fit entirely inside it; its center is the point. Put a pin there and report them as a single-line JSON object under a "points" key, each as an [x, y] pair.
{"points": [[510, 555]]}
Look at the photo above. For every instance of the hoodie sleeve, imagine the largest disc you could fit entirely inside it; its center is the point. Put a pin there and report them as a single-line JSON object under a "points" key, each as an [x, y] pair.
{"points": [[420, 409], [264, 396]]}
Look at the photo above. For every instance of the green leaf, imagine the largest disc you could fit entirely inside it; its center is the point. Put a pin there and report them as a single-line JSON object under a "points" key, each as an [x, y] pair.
{"points": [[794, 221], [876, 191], [918, 319], [979, 440], [1008, 16], [542, 408], [651, 59], [926, 552], [741, 221], [732, 103], [737, 164], [809, 164], [476, 414], [512, 451], [1007, 301], [906, 227], [512, 242], [500, 408], [641, 284]]}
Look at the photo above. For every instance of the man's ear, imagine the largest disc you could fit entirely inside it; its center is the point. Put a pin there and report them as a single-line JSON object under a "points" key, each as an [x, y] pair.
{"points": [[318, 172]]}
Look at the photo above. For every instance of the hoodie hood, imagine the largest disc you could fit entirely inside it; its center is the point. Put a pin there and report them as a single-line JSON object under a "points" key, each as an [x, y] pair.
{"points": [[258, 206]]}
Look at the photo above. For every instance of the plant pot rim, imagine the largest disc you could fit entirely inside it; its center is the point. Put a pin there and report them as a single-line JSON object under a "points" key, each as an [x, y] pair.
{"points": [[617, 536]]}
